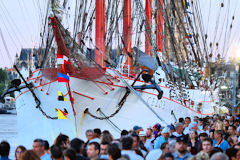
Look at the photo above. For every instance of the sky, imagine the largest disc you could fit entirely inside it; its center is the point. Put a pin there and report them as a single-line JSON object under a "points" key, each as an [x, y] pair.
{"points": [[20, 26], [22, 20]]}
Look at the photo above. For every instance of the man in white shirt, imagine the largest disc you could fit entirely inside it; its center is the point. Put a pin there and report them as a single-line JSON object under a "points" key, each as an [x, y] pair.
{"points": [[149, 143], [179, 130], [187, 126], [127, 143]]}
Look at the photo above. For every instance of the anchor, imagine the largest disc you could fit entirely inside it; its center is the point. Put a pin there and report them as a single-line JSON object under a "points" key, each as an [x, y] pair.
{"points": [[14, 86], [148, 78]]}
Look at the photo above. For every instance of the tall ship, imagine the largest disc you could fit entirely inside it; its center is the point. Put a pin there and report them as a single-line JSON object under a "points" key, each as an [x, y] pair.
{"points": [[117, 64]]}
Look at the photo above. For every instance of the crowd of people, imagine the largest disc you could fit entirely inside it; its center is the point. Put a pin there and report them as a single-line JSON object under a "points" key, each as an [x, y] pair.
{"points": [[209, 138]]}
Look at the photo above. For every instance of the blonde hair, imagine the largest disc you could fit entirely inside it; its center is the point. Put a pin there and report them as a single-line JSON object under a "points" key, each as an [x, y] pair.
{"points": [[219, 125], [201, 156]]}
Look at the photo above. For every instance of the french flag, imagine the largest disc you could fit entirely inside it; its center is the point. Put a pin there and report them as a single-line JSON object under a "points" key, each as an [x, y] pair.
{"points": [[63, 77], [61, 59]]}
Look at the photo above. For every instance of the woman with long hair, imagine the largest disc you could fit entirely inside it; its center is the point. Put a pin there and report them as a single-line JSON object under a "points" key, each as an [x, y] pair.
{"points": [[193, 142], [19, 152]]}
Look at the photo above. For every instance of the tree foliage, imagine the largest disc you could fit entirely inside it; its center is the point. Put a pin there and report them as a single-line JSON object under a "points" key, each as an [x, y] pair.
{"points": [[3, 76], [3, 80]]}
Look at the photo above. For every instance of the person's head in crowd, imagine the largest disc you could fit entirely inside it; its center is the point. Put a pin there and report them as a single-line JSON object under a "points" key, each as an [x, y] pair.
{"points": [[236, 122], [137, 129], [193, 134], [77, 144], [200, 122], [156, 127], [113, 152], [232, 130], [142, 136], [104, 148], [226, 123], [215, 150], [62, 140], [181, 120], [149, 133], [187, 120], [202, 136], [205, 126], [89, 134], [230, 141], [165, 147], [195, 119], [4, 149], [166, 133], [207, 145], [238, 154], [106, 136], [202, 156], [69, 154], [230, 119], [171, 127], [93, 150], [127, 143], [232, 153], [19, 151], [38, 147], [56, 152], [168, 156], [124, 133], [218, 134], [219, 156], [211, 133], [136, 141], [30, 155], [97, 133], [181, 145], [179, 128], [46, 146]]}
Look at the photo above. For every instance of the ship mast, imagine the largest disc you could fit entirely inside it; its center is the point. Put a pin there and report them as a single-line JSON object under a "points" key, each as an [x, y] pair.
{"points": [[100, 32], [148, 27], [159, 19], [127, 26]]}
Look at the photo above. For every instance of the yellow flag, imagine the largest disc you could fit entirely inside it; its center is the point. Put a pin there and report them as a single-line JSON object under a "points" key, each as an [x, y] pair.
{"points": [[61, 97], [61, 114]]}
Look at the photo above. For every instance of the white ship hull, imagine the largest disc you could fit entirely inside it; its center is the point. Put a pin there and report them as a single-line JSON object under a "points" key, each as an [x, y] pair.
{"points": [[103, 94]]}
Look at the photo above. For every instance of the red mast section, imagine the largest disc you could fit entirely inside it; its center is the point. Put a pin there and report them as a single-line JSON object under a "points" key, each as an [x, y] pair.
{"points": [[159, 25], [127, 27], [61, 47], [100, 32], [148, 10]]}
